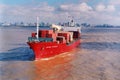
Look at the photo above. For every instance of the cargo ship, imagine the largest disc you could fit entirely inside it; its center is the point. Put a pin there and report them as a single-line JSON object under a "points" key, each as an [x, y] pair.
{"points": [[48, 43]]}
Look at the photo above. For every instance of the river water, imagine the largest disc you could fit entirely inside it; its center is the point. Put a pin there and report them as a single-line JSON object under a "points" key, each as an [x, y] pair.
{"points": [[96, 58]]}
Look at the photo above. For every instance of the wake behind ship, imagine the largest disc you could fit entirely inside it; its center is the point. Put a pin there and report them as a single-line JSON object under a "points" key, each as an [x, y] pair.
{"points": [[48, 43]]}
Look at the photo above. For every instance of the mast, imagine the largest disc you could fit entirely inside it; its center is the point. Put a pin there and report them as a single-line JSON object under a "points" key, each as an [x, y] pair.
{"points": [[37, 27], [71, 21]]}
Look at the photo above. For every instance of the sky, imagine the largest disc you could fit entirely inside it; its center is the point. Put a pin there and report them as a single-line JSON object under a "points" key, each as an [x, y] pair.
{"points": [[54, 11]]}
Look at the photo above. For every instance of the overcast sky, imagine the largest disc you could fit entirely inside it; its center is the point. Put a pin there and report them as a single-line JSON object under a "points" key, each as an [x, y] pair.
{"points": [[54, 11]]}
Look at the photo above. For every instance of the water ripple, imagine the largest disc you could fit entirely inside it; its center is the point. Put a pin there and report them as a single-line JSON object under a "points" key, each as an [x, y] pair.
{"points": [[19, 54], [101, 45]]}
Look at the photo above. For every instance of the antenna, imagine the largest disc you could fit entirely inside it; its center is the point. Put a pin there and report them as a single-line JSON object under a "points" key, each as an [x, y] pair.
{"points": [[37, 27]]}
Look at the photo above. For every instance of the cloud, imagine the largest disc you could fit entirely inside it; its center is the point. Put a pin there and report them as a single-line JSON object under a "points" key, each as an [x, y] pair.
{"points": [[103, 8], [114, 2], [100, 7], [44, 11], [83, 7], [26, 12], [2, 7], [43, 7], [82, 12], [110, 8]]}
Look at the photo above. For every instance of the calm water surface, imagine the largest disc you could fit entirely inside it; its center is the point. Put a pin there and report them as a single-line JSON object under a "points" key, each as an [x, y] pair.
{"points": [[96, 58]]}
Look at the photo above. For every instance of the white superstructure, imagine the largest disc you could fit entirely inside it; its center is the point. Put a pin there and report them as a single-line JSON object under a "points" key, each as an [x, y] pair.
{"points": [[72, 27]]}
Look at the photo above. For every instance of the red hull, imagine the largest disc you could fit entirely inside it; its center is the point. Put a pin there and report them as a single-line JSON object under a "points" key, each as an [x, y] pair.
{"points": [[49, 49]]}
